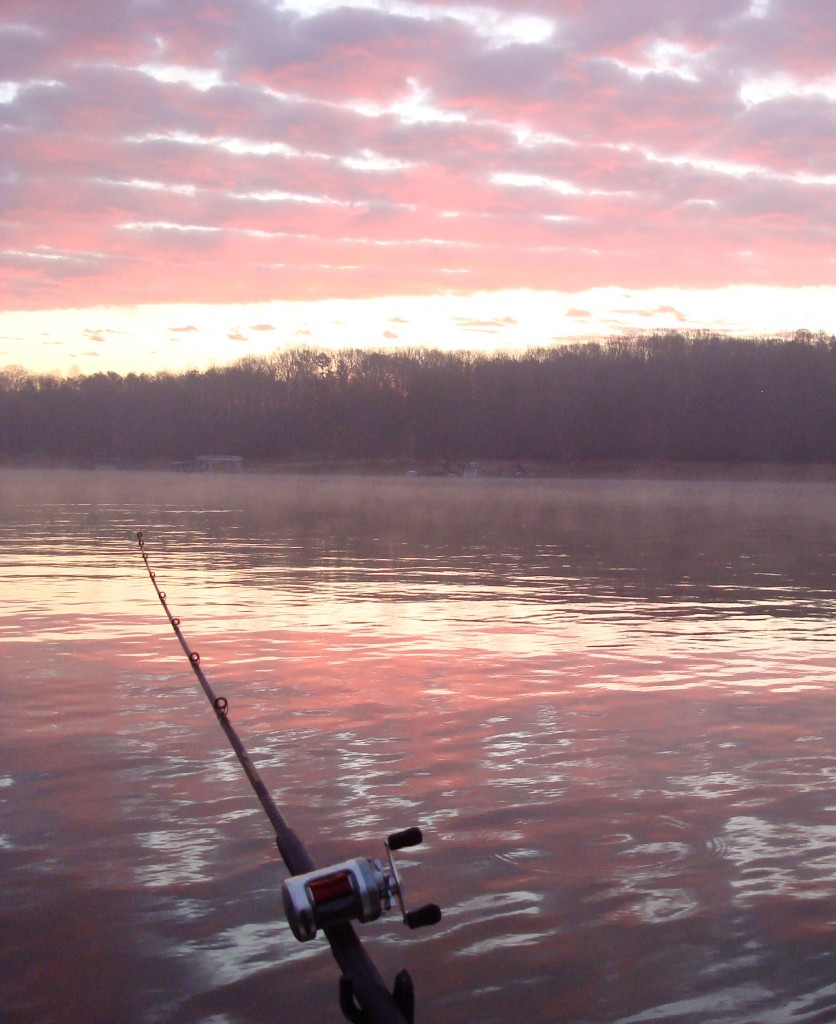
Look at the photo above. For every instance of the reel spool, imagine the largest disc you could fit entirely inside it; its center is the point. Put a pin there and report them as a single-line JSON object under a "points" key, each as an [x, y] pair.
{"points": [[361, 889]]}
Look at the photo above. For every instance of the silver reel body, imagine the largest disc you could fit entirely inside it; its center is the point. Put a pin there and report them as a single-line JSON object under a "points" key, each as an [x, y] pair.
{"points": [[361, 889]]}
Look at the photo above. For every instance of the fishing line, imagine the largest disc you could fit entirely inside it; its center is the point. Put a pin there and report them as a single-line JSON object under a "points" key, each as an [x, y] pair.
{"points": [[290, 848]]}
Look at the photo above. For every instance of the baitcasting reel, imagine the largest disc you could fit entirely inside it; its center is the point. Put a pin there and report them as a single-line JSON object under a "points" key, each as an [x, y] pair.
{"points": [[355, 890]]}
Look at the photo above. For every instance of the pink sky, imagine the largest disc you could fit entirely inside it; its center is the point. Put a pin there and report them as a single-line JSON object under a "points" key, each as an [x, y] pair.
{"points": [[246, 167]]}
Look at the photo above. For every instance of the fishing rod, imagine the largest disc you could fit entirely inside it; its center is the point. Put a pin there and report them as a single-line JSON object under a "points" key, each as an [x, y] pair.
{"points": [[330, 898]]}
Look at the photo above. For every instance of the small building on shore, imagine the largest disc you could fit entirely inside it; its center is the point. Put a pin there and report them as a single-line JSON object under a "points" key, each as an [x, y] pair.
{"points": [[220, 463]]}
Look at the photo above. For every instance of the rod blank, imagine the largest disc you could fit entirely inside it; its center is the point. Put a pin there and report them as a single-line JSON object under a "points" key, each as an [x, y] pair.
{"points": [[364, 996]]}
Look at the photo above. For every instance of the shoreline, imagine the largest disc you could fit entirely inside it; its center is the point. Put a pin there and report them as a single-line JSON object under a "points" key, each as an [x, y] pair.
{"points": [[489, 469]]}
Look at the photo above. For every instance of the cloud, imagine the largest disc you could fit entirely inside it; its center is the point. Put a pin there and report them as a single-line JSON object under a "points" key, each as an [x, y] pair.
{"points": [[674, 312], [262, 327], [101, 335], [187, 329], [650, 313], [493, 325], [238, 152]]}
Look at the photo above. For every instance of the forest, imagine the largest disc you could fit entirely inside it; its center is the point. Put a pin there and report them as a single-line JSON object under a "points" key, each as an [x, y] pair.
{"points": [[669, 397]]}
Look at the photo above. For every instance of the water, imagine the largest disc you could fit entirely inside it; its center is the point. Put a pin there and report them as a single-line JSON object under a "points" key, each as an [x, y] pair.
{"points": [[609, 704]]}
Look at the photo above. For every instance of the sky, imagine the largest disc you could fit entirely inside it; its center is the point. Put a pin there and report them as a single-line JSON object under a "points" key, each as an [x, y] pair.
{"points": [[186, 182]]}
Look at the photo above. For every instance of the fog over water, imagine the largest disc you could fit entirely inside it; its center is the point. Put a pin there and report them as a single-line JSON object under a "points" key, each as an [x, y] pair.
{"points": [[609, 704]]}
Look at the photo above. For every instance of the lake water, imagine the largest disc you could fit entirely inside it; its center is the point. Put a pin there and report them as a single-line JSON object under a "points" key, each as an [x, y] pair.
{"points": [[610, 704]]}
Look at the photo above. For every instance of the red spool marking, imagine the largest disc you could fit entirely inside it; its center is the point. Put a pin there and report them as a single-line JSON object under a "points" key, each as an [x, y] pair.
{"points": [[332, 887]]}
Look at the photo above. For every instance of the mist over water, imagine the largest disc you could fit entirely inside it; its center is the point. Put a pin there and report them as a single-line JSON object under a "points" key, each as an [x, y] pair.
{"points": [[608, 703]]}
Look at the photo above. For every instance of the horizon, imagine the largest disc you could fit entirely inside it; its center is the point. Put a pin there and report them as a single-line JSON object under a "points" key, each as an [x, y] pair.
{"points": [[13, 373]]}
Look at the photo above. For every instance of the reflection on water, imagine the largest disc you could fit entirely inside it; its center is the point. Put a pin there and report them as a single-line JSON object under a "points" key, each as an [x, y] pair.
{"points": [[608, 703]]}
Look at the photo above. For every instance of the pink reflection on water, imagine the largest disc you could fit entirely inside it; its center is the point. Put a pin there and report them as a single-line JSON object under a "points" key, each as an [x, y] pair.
{"points": [[627, 795]]}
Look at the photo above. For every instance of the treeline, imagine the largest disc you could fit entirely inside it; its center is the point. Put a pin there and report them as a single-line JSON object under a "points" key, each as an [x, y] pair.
{"points": [[670, 397]]}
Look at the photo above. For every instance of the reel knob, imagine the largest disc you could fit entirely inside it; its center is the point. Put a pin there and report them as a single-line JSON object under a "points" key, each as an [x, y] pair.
{"points": [[429, 914], [405, 838]]}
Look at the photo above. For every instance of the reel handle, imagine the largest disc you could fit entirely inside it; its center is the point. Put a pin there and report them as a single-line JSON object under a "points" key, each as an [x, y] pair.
{"points": [[407, 837], [429, 914]]}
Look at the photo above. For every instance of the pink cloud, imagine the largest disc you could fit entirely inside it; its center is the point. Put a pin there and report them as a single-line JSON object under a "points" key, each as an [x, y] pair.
{"points": [[358, 152], [493, 325]]}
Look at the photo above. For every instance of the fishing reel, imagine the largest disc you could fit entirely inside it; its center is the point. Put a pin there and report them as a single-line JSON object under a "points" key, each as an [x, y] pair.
{"points": [[361, 889]]}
